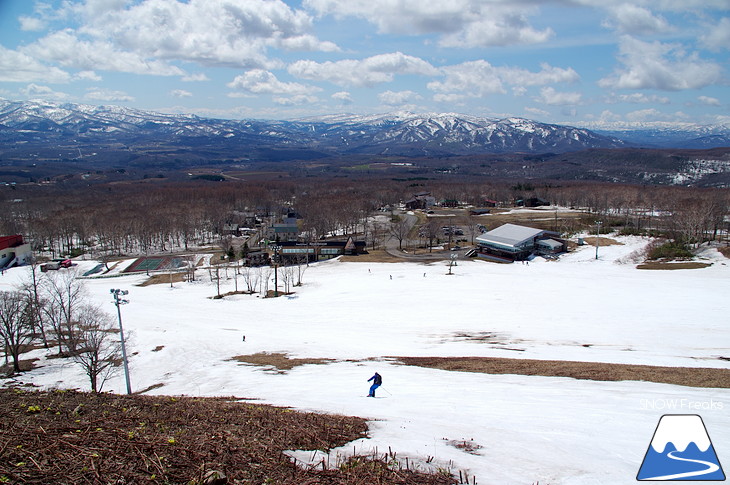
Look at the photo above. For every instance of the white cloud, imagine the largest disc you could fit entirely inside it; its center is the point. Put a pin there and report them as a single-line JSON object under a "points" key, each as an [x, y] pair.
{"points": [[398, 98], [31, 24], [68, 50], [653, 65], [103, 94], [629, 18], [258, 81], [708, 101], [451, 98], [537, 112], [367, 72], [196, 77], [34, 91], [460, 23], [717, 36], [19, 67], [180, 93], [480, 78], [550, 96], [343, 97], [146, 37], [87, 76], [641, 98], [297, 100]]}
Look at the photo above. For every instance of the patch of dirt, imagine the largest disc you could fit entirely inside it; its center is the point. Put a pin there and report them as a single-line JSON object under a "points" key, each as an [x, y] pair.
{"points": [[72, 437], [602, 241], [279, 361], [725, 251], [160, 279], [666, 265], [25, 366], [467, 446], [597, 371]]}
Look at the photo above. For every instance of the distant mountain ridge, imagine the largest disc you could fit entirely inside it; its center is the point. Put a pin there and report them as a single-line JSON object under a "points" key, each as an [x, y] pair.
{"points": [[659, 134], [402, 133]]}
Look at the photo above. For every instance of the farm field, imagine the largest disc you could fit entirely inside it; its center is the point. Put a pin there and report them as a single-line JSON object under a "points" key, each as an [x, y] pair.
{"points": [[314, 350]]}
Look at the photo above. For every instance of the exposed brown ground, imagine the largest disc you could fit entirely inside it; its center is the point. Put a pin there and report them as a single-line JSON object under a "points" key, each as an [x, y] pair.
{"points": [[597, 371], [671, 265], [69, 437], [602, 241], [161, 279], [278, 361]]}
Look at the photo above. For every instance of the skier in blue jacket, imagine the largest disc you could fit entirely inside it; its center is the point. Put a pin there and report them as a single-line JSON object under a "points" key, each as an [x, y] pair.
{"points": [[377, 381]]}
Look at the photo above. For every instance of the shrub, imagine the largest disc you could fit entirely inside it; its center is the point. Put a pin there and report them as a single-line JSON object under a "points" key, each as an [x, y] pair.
{"points": [[670, 250]]}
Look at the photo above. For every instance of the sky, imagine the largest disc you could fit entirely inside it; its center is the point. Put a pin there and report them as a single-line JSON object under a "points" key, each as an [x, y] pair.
{"points": [[556, 61]]}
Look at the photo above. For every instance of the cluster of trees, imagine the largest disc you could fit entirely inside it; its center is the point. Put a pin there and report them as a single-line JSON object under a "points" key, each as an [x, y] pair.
{"points": [[141, 218], [51, 310]]}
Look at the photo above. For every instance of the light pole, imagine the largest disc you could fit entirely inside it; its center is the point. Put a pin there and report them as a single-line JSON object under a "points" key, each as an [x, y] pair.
{"points": [[117, 302], [598, 232], [276, 248]]}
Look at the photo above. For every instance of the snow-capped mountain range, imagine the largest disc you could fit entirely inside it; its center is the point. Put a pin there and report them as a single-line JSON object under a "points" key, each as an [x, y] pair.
{"points": [[399, 133]]}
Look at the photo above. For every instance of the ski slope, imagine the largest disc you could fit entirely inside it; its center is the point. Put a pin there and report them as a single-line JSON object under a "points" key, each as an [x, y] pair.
{"points": [[503, 429]]}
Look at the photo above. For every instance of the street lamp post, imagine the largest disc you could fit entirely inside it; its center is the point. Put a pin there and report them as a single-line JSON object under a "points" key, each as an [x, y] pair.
{"points": [[276, 249], [598, 232], [117, 302]]}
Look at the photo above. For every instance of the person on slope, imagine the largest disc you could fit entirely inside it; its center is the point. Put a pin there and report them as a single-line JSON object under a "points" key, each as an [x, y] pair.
{"points": [[377, 381]]}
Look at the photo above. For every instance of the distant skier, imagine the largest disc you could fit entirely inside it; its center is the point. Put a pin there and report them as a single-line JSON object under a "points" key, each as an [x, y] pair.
{"points": [[377, 381]]}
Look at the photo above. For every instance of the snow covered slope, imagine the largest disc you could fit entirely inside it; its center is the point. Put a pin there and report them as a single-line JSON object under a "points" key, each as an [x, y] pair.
{"points": [[503, 429]]}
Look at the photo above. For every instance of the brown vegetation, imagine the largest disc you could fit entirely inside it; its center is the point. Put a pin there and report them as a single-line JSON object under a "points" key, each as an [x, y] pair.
{"points": [[278, 361], [68, 437], [666, 265], [597, 371]]}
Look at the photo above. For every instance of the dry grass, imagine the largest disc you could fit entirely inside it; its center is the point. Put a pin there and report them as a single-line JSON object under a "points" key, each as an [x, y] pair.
{"points": [[602, 241], [725, 251], [161, 279], [668, 265], [69, 437], [279, 361], [597, 371]]}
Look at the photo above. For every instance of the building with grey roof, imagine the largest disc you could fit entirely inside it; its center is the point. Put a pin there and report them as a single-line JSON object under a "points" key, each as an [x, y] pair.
{"points": [[512, 242]]}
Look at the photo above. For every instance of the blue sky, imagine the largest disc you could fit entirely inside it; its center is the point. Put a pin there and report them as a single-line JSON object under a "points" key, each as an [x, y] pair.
{"points": [[567, 61]]}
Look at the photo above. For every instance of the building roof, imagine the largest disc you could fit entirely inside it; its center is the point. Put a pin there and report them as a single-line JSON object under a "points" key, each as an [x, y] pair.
{"points": [[509, 235], [551, 243], [11, 241]]}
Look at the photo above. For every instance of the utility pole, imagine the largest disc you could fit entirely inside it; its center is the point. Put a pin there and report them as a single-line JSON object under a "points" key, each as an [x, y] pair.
{"points": [[276, 249], [117, 302]]}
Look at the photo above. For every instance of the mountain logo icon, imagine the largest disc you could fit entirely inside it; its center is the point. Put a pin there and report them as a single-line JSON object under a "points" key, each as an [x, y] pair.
{"points": [[681, 450]]}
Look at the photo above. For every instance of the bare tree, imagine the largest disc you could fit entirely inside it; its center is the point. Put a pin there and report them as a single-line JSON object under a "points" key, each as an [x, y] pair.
{"points": [[399, 230], [98, 352], [32, 288], [302, 263], [431, 231], [16, 328], [63, 294]]}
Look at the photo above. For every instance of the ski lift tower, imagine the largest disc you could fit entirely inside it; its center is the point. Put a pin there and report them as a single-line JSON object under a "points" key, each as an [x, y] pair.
{"points": [[117, 302]]}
